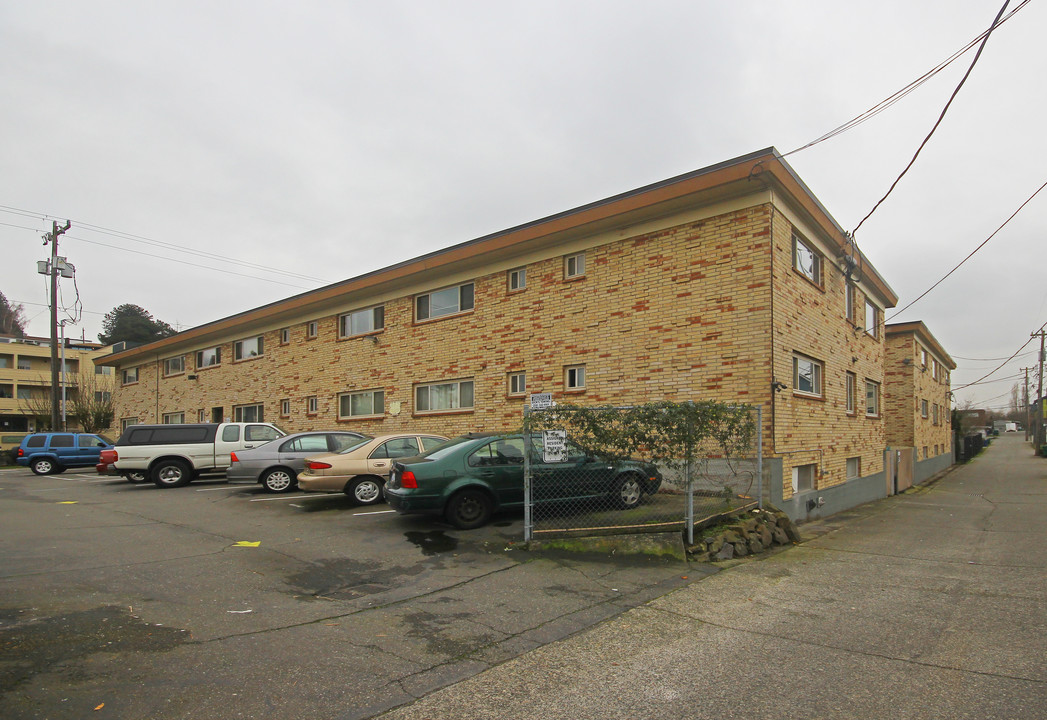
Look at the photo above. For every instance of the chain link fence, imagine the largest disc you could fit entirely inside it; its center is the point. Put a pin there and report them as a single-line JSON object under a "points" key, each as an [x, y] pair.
{"points": [[650, 468]]}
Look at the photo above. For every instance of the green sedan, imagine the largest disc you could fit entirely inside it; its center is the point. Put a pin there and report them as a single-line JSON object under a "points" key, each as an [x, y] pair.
{"points": [[468, 478]]}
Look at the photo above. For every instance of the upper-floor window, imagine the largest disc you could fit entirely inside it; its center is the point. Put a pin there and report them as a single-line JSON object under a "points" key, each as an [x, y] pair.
{"points": [[872, 319], [249, 348], [312, 405], [517, 279], [312, 330], [440, 397], [440, 303], [807, 375], [872, 398], [852, 392], [923, 358], [285, 408], [362, 321], [923, 409], [103, 370], [24, 364], [174, 366], [574, 265], [285, 336], [208, 357], [850, 301], [806, 260], [130, 375]]}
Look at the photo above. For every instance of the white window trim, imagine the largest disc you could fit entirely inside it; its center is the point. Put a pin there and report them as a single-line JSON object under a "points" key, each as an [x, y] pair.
{"points": [[167, 368], [802, 247], [457, 384], [510, 381], [238, 410], [818, 370], [877, 394], [124, 376], [574, 266], [516, 274], [459, 310], [217, 355], [312, 330], [238, 348], [375, 411], [851, 393], [574, 378], [872, 325], [312, 405], [345, 321]]}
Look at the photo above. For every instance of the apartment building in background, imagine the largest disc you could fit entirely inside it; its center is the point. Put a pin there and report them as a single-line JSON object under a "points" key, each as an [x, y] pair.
{"points": [[730, 283]]}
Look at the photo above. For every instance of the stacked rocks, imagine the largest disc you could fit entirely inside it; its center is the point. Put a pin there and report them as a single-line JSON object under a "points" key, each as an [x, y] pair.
{"points": [[746, 534]]}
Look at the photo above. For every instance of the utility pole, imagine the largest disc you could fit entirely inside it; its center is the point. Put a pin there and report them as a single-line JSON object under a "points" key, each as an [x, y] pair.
{"points": [[1038, 435], [52, 238], [1028, 410]]}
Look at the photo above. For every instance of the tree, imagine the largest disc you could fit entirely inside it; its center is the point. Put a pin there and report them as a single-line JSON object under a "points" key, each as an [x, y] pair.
{"points": [[132, 323], [12, 318], [92, 405]]}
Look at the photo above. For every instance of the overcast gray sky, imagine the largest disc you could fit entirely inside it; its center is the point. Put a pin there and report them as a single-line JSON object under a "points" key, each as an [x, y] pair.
{"points": [[329, 139]]}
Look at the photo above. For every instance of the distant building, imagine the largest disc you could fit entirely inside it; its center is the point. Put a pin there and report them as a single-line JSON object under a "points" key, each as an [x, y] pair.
{"points": [[917, 402], [25, 379]]}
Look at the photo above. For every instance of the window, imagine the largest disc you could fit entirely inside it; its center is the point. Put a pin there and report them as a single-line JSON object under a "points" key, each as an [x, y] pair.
{"points": [[362, 321], [872, 398], [24, 393], [852, 392], [448, 301], [574, 377], [923, 358], [209, 357], [396, 448], [176, 418], [103, 370], [934, 416], [285, 336], [807, 376], [574, 266], [361, 404], [249, 348], [517, 279], [850, 304], [130, 376], [517, 383], [806, 261], [248, 413], [312, 406], [923, 409], [103, 396], [24, 364], [285, 408], [440, 397], [5, 362], [7, 392], [174, 366], [803, 477], [311, 330], [127, 422], [872, 319], [61, 441], [934, 368], [201, 415], [504, 451], [854, 468]]}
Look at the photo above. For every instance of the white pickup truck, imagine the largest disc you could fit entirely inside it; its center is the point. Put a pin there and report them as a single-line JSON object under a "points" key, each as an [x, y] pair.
{"points": [[173, 455]]}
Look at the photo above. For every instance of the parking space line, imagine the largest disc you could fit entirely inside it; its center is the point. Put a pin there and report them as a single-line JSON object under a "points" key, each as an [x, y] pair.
{"points": [[296, 497], [375, 512]]}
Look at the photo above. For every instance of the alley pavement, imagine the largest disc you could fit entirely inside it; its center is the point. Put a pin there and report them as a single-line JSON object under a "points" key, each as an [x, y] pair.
{"points": [[931, 604]]}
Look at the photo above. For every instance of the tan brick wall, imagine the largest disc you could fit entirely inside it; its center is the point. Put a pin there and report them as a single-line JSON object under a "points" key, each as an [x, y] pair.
{"points": [[910, 383]]}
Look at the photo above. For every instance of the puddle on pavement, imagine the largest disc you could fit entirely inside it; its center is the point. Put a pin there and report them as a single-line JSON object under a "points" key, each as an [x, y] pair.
{"points": [[432, 542]]}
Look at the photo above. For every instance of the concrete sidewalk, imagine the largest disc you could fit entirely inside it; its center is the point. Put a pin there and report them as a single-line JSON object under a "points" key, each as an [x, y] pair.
{"points": [[932, 604]]}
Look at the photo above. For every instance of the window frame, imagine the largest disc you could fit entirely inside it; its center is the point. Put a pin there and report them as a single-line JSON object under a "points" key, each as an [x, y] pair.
{"points": [[459, 308], [457, 385], [817, 273], [312, 330], [574, 266], [516, 279], [818, 381], [516, 383], [173, 418], [874, 330], [574, 378], [857, 460], [129, 376], [347, 397], [285, 407], [285, 336], [802, 470], [238, 412], [377, 321], [312, 405], [168, 372], [923, 409], [876, 397], [239, 346], [200, 355], [851, 390]]}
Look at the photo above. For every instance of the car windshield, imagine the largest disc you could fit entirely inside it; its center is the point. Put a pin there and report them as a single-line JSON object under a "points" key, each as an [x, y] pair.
{"points": [[359, 443]]}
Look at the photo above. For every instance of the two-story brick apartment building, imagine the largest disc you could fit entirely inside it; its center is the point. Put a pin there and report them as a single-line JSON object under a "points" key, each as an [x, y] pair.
{"points": [[730, 283], [917, 401]]}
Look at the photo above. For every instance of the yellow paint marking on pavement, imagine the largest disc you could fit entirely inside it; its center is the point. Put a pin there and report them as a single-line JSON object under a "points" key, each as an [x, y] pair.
{"points": [[247, 543]]}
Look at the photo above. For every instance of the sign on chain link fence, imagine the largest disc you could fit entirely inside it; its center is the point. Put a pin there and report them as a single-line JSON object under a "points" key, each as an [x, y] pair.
{"points": [[645, 468]]}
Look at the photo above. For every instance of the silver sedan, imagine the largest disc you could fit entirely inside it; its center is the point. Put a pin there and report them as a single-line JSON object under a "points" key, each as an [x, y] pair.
{"points": [[276, 464]]}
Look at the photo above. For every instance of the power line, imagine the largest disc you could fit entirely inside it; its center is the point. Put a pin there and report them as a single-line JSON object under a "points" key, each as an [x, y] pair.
{"points": [[1024, 345], [941, 117], [915, 84]]}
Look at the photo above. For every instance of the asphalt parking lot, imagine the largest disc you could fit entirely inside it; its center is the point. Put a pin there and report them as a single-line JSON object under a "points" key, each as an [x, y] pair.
{"points": [[218, 600]]}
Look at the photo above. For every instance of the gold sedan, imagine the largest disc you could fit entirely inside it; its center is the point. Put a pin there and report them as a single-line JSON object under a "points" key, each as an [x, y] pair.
{"points": [[360, 471]]}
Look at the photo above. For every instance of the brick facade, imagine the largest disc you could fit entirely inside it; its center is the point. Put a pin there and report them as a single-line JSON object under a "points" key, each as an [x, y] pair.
{"points": [[690, 290], [917, 393]]}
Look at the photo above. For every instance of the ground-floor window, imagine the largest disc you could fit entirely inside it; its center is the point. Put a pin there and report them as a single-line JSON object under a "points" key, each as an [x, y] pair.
{"points": [[248, 413], [438, 397], [854, 468], [361, 404], [176, 418], [803, 477]]}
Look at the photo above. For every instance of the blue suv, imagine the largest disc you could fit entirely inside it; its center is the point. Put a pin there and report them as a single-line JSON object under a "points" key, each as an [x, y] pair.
{"points": [[49, 453]]}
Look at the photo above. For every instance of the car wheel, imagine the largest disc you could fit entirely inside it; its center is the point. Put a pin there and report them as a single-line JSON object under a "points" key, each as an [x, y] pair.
{"points": [[628, 491], [135, 476], [469, 509], [279, 480], [172, 473], [365, 490], [43, 466]]}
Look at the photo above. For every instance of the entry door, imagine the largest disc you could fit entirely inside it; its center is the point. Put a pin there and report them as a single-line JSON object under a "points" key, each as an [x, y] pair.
{"points": [[905, 468], [217, 415]]}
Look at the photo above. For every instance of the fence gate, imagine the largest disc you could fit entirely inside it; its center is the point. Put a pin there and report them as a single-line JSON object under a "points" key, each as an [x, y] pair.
{"points": [[617, 470]]}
